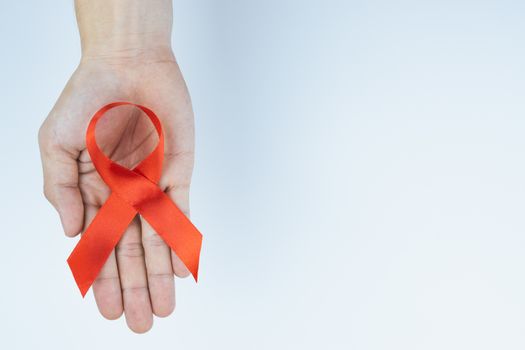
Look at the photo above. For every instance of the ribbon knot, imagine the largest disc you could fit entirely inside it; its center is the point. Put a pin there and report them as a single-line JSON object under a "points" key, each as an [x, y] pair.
{"points": [[133, 191]]}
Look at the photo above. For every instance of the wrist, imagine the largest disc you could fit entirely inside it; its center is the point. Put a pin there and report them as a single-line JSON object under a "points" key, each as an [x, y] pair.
{"points": [[128, 55], [125, 31]]}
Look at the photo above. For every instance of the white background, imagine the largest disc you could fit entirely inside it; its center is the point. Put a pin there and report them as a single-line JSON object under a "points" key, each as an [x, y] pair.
{"points": [[359, 178]]}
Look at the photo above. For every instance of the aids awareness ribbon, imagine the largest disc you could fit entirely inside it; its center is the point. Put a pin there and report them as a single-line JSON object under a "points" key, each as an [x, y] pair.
{"points": [[133, 191]]}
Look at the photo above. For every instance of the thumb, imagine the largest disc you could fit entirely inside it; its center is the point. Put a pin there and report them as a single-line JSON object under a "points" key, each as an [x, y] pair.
{"points": [[61, 185]]}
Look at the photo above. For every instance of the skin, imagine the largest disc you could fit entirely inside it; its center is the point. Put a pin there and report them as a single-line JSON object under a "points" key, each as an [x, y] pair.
{"points": [[126, 56]]}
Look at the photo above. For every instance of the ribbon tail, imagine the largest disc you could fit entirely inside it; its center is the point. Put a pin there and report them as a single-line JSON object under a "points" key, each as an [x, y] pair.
{"points": [[175, 229], [99, 240]]}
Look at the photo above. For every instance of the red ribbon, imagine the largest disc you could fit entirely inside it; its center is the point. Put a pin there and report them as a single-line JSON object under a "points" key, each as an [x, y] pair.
{"points": [[132, 191]]}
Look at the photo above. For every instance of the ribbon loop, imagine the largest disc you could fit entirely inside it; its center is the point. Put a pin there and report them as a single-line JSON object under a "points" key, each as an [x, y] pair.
{"points": [[133, 191]]}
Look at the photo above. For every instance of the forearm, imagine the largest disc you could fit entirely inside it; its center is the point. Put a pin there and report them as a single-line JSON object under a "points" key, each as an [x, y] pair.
{"points": [[125, 29]]}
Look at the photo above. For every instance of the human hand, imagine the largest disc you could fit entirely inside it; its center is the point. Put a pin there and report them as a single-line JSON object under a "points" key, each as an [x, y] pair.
{"points": [[138, 276]]}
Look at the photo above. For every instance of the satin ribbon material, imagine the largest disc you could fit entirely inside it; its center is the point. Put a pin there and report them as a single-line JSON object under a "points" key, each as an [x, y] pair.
{"points": [[133, 191]]}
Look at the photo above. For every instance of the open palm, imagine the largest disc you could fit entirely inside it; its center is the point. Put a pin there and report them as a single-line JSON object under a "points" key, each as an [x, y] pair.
{"points": [[138, 277]]}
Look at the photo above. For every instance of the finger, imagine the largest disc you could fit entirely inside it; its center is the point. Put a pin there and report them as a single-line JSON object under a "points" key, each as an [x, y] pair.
{"points": [[161, 282], [61, 185], [106, 287], [133, 280]]}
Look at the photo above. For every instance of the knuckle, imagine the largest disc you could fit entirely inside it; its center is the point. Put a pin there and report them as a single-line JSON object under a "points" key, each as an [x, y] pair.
{"points": [[181, 186], [102, 277], [48, 140], [187, 155], [130, 249], [134, 289], [44, 139], [42, 133], [153, 241], [48, 193], [160, 275]]}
